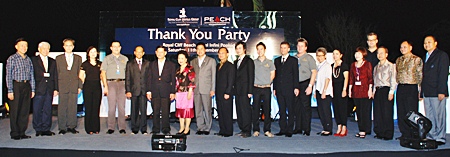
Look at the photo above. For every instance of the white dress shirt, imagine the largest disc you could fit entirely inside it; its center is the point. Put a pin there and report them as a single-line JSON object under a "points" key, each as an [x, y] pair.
{"points": [[45, 61], [161, 65]]}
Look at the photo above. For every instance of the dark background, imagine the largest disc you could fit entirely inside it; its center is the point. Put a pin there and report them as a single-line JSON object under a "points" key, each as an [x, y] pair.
{"points": [[393, 20]]}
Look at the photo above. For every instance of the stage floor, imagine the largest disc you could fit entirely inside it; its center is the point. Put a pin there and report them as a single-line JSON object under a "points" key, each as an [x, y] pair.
{"points": [[298, 144]]}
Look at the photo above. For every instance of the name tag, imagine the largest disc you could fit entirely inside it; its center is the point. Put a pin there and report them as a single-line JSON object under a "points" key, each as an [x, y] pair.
{"points": [[46, 74], [358, 83]]}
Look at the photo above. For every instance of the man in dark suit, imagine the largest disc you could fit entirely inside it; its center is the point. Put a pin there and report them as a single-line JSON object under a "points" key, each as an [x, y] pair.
{"points": [[243, 86], [435, 88], [161, 90], [286, 87], [69, 86], [136, 88], [46, 78], [224, 93]]}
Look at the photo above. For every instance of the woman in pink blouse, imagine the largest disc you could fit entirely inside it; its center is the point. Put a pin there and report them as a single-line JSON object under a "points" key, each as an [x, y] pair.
{"points": [[185, 93], [360, 89]]}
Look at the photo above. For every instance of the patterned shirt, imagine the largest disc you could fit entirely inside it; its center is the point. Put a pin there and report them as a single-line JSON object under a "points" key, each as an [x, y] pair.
{"points": [[185, 79], [18, 68], [409, 69], [385, 75]]}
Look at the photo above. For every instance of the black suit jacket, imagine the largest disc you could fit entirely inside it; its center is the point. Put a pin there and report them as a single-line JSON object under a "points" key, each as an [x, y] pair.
{"points": [[164, 85], [44, 83], [435, 74], [245, 76], [286, 76], [224, 79], [135, 78]]}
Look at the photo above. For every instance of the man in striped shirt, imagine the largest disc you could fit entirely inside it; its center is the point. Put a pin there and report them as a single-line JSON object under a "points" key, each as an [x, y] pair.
{"points": [[21, 85]]}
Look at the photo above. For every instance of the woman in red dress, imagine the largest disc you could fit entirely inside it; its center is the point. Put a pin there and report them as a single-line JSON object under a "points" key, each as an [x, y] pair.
{"points": [[360, 89], [185, 93]]}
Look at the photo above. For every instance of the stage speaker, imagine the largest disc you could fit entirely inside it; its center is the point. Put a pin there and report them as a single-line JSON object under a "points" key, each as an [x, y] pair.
{"points": [[169, 142]]}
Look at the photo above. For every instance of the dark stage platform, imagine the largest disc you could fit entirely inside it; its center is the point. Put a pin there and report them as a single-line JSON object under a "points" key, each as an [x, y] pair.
{"points": [[206, 145]]}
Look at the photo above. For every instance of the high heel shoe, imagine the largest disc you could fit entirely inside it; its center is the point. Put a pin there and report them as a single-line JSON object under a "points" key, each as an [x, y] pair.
{"points": [[338, 133], [180, 132], [188, 133], [345, 134]]}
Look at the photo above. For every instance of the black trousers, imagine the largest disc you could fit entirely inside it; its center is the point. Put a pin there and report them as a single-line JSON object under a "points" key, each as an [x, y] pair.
{"points": [[261, 98], [407, 100], [302, 107], [42, 111], [92, 94], [339, 104], [244, 113], [286, 109], [364, 113], [383, 113], [139, 105], [225, 112], [324, 110], [161, 107], [19, 108]]}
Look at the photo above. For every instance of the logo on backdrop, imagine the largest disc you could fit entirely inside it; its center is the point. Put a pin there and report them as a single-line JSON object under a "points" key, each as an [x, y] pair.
{"points": [[198, 16]]}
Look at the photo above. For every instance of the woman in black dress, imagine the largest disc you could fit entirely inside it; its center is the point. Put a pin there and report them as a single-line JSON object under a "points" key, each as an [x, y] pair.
{"points": [[340, 82], [92, 91]]}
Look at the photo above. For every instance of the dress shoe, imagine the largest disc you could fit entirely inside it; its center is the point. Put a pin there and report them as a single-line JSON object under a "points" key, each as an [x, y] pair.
{"points": [[280, 134], [306, 133], [15, 137], [205, 132], [38, 133], [225, 135], [245, 135], [326, 134], [134, 132], [25, 137], [72, 130], [255, 133], [122, 131], [297, 132], [288, 135], [239, 134], [378, 137], [399, 138], [199, 133], [47, 133], [62, 132], [144, 133], [110, 131], [440, 143], [268, 134], [319, 133], [386, 138]]}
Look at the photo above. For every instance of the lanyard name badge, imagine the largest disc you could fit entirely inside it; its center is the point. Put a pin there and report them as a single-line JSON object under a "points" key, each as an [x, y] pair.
{"points": [[357, 82], [117, 67]]}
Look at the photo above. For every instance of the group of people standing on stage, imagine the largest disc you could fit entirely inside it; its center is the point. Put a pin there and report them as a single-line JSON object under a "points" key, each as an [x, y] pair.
{"points": [[370, 79]]}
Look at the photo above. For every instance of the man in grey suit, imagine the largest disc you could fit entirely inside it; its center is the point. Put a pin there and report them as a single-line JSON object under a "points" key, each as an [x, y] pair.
{"points": [[205, 80], [69, 86]]}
